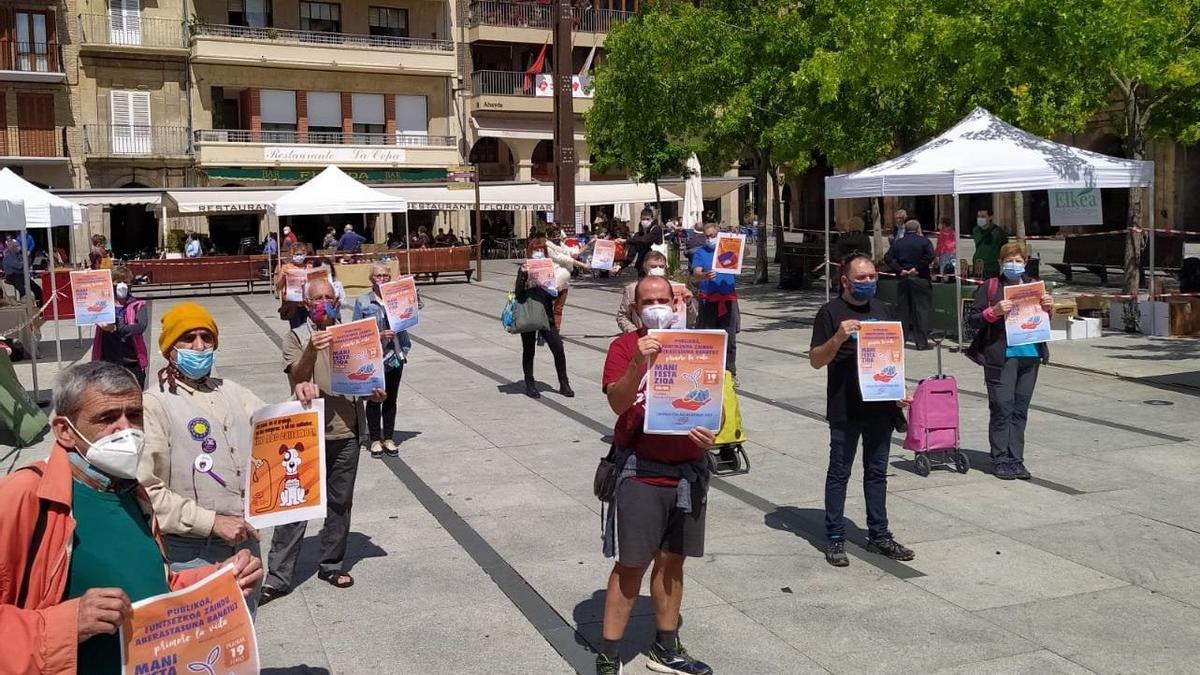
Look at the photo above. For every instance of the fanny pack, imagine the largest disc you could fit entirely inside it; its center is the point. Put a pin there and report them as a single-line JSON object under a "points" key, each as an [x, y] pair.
{"points": [[608, 473]]}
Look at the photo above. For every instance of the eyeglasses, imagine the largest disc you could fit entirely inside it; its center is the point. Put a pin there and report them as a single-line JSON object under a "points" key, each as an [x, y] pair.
{"points": [[382, 276]]}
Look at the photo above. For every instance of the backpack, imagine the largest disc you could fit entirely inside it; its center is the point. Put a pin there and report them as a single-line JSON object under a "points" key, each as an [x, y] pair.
{"points": [[975, 349]]}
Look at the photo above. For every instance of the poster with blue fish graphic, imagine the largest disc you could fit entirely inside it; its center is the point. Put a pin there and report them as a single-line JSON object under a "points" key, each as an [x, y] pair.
{"points": [[686, 385], [1027, 323], [356, 358], [881, 360]]}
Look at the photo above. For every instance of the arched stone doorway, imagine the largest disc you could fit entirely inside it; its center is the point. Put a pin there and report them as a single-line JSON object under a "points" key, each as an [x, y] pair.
{"points": [[134, 229], [543, 161], [495, 159]]}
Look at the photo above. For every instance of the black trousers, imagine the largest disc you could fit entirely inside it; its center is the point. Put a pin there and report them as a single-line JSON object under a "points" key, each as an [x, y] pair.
{"points": [[708, 318], [1010, 390], [17, 281], [341, 469], [915, 299], [554, 342], [381, 417]]}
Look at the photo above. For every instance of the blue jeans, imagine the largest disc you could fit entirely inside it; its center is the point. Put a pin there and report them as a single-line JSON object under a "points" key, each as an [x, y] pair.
{"points": [[186, 553], [876, 436]]}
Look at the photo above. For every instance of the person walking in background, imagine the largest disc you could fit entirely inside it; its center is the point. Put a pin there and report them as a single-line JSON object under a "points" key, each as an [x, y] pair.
{"points": [[97, 252], [351, 241], [718, 296], [14, 271], [909, 259], [289, 238], [989, 239], [650, 233], [898, 229], [947, 247], [853, 240], [331, 239], [192, 249], [124, 342], [381, 416], [528, 291], [834, 346], [1009, 372]]}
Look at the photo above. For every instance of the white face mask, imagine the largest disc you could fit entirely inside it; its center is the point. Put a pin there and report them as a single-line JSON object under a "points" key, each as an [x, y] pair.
{"points": [[657, 316], [116, 454], [538, 255], [122, 290], [657, 272], [645, 222], [298, 259]]}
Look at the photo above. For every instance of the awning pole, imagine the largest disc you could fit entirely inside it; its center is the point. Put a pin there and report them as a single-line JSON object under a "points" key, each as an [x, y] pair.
{"points": [[33, 351], [1153, 294], [958, 275], [828, 265]]}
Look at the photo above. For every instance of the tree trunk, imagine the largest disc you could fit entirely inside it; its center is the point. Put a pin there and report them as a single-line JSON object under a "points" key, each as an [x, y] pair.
{"points": [[761, 260], [1135, 147], [760, 277], [877, 223], [1019, 214]]}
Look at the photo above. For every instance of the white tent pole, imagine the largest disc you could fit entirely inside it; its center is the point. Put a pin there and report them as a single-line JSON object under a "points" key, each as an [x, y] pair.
{"points": [[33, 351], [54, 301], [828, 265], [407, 246], [958, 275]]}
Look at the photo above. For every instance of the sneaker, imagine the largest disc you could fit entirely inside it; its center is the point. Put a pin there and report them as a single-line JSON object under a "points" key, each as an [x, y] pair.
{"points": [[1004, 471], [835, 554], [888, 547], [674, 659], [376, 449], [1021, 472], [389, 447], [607, 666]]}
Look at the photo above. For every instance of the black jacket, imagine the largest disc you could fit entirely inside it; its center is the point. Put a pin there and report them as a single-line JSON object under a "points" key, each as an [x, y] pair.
{"points": [[913, 251], [850, 242], [648, 237], [992, 338]]}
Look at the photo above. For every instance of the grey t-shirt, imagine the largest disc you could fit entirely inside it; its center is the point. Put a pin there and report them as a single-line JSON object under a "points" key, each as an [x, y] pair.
{"points": [[342, 413]]}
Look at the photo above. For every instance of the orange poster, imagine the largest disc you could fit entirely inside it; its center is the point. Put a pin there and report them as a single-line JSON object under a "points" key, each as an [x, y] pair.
{"points": [[205, 628], [294, 280], [400, 303], [731, 248], [686, 384], [356, 358], [881, 360], [92, 292], [286, 480], [541, 272]]}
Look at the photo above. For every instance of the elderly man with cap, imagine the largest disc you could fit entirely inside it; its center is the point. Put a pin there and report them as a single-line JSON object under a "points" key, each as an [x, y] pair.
{"points": [[197, 445], [79, 539]]}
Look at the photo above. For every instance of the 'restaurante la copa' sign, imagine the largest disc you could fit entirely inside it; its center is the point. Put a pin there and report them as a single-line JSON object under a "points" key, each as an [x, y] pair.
{"points": [[308, 154]]}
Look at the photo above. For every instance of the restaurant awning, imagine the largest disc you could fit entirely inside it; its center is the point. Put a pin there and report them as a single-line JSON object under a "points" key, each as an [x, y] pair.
{"points": [[114, 198], [216, 201], [533, 129]]}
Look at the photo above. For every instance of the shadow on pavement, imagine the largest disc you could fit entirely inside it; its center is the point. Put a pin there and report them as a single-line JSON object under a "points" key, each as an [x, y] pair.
{"points": [[358, 547], [809, 525], [639, 632]]}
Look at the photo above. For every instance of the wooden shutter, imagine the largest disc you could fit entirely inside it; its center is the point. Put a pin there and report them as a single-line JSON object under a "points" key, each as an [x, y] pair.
{"points": [[3, 125], [130, 122], [35, 125]]}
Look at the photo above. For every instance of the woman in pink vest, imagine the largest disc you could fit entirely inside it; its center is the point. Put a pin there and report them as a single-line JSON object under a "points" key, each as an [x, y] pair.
{"points": [[124, 342]]}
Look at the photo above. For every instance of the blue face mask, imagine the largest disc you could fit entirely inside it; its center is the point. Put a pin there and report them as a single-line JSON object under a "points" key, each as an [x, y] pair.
{"points": [[1013, 270], [710, 244], [862, 290], [194, 364]]}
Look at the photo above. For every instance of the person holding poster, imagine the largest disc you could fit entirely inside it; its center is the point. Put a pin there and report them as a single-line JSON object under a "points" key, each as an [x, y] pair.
{"points": [[1010, 371], [289, 281], [197, 446], [89, 543], [375, 304], [308, 362], [718, 296], [659, 506], [527, 289], [123, 342], [656, 266], [836, 332], [92, 295], [730, 253]]}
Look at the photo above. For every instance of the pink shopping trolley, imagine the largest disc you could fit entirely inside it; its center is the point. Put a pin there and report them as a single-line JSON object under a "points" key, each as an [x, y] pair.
{"points": [[933, 421]]}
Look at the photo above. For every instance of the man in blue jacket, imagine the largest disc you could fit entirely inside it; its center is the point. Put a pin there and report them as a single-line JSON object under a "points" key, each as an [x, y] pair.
{"points": [[718, 296], [351, 241]]}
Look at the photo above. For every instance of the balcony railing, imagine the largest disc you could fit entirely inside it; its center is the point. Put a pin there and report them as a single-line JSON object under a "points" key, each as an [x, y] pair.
{"points": [[503, 83], [30, 57], [537, 15], [321, 138], [308, 37], [131, 30], [122, 140], [16, 142]]}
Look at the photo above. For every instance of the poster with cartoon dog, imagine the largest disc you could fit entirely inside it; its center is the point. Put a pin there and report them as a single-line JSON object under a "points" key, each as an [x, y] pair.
{"points": [[285, 482], [205, 628]]}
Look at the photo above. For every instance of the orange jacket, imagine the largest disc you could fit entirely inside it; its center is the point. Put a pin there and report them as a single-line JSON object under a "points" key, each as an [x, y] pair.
{"points": [[42, 635]]}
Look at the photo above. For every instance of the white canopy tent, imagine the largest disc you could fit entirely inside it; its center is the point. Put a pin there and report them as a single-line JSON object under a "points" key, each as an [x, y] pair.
{"points": [[980, 154], [332, 191], [24, 205]]}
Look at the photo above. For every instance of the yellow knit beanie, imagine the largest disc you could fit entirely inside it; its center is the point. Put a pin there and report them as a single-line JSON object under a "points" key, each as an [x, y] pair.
{"points": [[182, 318]]}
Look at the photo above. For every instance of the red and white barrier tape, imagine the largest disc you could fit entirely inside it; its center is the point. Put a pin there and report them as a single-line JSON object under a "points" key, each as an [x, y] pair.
{"points": [[40, 314]]}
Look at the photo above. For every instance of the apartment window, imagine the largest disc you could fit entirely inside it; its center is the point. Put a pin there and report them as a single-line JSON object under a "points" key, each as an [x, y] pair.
{"points": [[367, 113], [130, 122], [277, 109], [412, 119], [33, 48], [250, 13], [324, 117], [321, 17], [125, 22], [388, 21]]}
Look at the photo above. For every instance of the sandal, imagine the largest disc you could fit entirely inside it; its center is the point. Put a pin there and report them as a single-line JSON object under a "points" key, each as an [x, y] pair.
{"points": [[269, 593], [335, 579]]}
